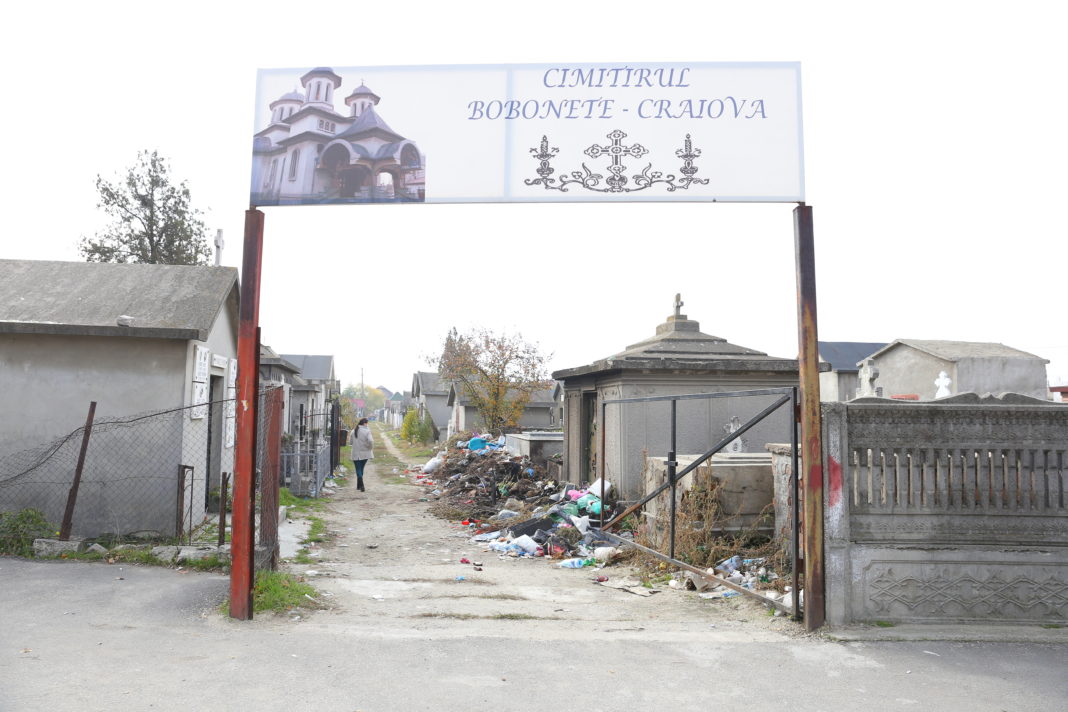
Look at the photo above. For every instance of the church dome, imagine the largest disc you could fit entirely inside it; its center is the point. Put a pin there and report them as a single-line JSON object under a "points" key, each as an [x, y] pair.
{"points": [[363, 91]]}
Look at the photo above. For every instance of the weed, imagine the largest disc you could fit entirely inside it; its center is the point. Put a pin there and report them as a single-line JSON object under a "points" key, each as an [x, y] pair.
{"points": [[303, 557], [1052, 626], [300, 505], [316, 532], [19, 529], [885, 624], [209, 563], [278, 591]]}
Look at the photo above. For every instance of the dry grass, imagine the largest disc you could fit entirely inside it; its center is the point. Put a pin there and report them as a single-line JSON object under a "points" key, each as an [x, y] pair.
{"points": [[700, 539]]}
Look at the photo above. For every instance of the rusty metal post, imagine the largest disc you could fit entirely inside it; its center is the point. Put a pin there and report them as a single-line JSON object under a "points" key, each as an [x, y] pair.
{"points": [[241, 527], [72, 495], [811, 439], [270, 479], [224, 484]]}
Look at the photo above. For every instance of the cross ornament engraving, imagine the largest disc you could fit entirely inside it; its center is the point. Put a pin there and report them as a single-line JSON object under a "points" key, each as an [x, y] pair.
{"points": [[617, 150]]}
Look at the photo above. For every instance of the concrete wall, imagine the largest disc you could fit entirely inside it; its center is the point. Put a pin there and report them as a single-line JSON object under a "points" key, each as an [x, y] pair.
{"points": [[904, 370], [953, 511], [48, 382], [838, 386], [537, 417], [1000, 375]]}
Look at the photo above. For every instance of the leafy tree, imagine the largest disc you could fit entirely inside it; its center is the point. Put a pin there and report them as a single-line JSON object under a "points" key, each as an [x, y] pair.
{"points": [[410, 425], [497, 372], [153, 222], [373, 398], [425, 432]]}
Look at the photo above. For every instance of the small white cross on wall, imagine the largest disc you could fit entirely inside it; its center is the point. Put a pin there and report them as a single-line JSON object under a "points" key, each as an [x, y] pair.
{"points": [[943, 382]]}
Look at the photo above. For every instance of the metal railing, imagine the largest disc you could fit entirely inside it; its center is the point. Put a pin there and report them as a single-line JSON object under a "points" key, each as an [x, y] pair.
{"points": [[786, 395]]}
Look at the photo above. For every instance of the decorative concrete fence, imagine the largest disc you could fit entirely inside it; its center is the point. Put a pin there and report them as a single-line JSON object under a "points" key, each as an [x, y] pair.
{"points": [[949, 511]]}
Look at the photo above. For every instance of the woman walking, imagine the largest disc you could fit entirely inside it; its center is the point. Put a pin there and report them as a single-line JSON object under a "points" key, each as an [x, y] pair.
{"points": [[362, 449]]}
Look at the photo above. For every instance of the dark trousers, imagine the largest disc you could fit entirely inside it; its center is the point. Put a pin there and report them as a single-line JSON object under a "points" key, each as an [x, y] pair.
{"points": [[360, 464]]}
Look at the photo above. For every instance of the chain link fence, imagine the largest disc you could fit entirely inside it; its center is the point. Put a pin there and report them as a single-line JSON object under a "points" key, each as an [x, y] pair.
{"points": [[162, 476]]}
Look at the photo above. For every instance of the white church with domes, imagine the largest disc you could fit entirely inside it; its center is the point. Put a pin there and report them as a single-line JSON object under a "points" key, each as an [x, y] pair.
{"points": [[310, 153]]}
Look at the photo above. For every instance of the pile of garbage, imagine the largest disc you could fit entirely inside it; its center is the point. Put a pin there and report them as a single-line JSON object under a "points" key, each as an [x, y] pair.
{"points": [[512, 504]]}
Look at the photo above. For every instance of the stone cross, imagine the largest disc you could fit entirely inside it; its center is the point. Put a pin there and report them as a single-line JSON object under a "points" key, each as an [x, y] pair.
{"points": [[867, 377], [943, 381], [678, 305]]}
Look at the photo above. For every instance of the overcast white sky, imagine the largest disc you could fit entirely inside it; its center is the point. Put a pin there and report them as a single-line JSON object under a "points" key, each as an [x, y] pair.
{"points": [[936, 163]]}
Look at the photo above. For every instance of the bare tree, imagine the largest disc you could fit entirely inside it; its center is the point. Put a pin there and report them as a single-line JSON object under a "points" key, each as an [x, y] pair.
{"points": [[497, 372]]}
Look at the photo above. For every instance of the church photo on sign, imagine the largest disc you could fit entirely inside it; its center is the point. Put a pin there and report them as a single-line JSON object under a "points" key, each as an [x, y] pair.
{"points": [[308, 152]]}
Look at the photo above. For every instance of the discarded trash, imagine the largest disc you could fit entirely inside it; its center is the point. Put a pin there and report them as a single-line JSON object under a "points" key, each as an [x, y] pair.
{"points": [[372, 546], [526, 544], [575, 563], [465, 560], [730, 565], [461, 578]]}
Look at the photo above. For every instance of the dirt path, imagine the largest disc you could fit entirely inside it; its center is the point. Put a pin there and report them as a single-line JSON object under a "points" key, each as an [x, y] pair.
{"points": [[393, 569]]}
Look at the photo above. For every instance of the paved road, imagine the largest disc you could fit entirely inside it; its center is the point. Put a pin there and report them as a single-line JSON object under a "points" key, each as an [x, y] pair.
{"points": [[403, 635]]}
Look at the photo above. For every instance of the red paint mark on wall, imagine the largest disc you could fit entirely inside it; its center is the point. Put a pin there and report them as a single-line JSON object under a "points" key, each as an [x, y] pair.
{"points": [[834, 477]]}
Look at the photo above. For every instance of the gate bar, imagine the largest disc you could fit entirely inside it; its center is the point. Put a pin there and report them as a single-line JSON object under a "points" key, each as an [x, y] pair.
{"points": [[795, 516], [620, 541], [699, 461], [671, 467]]}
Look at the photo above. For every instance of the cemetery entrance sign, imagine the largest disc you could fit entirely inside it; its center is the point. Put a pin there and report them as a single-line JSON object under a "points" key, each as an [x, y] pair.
{"points": [[697, 131], [529, 133]]}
